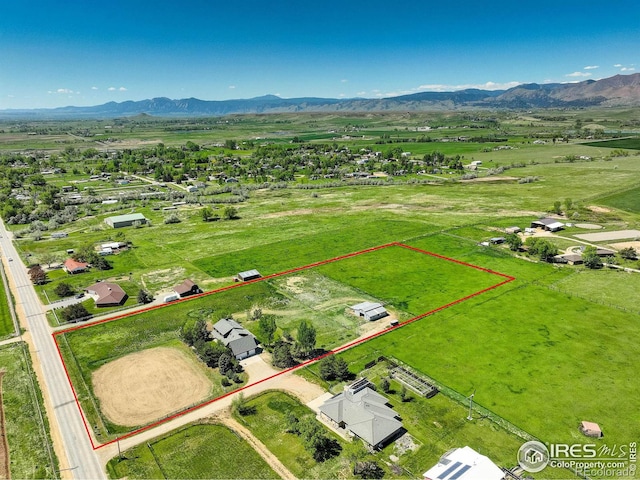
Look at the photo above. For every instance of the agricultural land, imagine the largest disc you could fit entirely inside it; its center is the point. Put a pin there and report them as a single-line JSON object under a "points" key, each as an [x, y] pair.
{"points": [[519, 335]]}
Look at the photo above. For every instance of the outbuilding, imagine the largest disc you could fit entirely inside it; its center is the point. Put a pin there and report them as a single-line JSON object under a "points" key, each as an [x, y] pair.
{"points": [[548, 224], [464, 464], [591, 429], [370, 310], [129, 220], [186, 288], [249, 275]]}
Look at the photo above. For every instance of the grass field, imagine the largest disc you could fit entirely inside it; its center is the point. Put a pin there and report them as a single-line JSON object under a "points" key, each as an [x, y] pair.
{"points": [[517, 346], [625, 200], [197, 451], [632, 143], [31, 453], [6, 323], [412, 282], [269, 425]]}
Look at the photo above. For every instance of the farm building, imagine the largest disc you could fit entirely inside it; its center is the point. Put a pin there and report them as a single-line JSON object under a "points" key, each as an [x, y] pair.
{"points": [[107, 294], [512, 230], [249, 275], [496, 240], [464, 464], [71, 266], [186, 288], [370, 310], [549, 224], [569, 258], [363, 413], [591, 429], [120, 221], [234, 336]]}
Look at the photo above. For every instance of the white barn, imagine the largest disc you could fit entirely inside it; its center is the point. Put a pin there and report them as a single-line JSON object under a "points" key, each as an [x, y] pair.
{"points": [[370, 310]]}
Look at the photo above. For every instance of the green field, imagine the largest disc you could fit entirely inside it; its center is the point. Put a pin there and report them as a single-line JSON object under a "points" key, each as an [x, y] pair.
{"points": [[269, 425], [6, 322], [632, 143], [517, 347], [626, 200], [27, 428], [197, 451]]}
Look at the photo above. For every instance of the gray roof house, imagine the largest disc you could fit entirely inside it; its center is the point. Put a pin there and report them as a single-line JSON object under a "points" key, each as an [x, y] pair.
{"points": [[370, 310], [363, 413], [237, 338]]}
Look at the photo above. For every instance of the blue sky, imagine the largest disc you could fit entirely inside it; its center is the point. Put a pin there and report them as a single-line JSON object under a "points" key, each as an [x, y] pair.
{"points": [[72, 52]]}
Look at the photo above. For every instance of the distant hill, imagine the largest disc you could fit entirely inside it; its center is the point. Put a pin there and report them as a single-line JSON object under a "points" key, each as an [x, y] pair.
{"points": [[620, 90]]}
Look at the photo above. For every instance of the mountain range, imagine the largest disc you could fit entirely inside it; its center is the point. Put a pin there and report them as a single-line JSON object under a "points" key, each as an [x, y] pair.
{"points": [[616, 91]]}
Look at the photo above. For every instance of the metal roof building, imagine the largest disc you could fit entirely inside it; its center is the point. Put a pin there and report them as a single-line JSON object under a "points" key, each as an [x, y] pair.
{"points": [[249, 275], [120, 221], [370, 310], [464, 464]]}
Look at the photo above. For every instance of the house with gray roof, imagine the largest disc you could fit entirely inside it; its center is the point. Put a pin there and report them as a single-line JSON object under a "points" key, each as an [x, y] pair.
{"points": [[370, 310], [363, 413], [238, 339]]}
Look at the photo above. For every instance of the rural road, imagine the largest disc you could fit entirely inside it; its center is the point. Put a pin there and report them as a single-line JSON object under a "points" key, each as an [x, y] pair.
{"points": [[82, 461]]}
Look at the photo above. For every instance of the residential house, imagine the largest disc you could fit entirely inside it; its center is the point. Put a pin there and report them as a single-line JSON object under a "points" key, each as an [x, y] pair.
{"points": [[464, 464], [238, 339], [107, 294], [363, 413], [71, 266]]}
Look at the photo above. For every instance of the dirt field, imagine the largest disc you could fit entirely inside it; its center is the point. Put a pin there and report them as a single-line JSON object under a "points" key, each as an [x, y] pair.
{"points": [[605, 236], [145, 386]]}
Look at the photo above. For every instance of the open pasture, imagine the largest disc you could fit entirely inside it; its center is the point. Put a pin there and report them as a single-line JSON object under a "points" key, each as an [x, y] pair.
{"points": [[542, 359]]}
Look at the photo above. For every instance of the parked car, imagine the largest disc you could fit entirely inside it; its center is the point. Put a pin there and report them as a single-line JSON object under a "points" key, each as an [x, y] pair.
{"points": [[80, 295]]}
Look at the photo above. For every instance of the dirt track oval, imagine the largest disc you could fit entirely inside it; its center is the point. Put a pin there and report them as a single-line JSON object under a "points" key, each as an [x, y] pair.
{"points": [[146, 386]]}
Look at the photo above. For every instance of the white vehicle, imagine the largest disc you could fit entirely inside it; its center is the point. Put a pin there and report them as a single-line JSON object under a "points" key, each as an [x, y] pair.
{"points": [[171, 298]]}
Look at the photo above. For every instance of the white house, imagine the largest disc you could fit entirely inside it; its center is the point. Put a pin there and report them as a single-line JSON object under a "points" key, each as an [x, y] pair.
{"points": [[464, 464]]}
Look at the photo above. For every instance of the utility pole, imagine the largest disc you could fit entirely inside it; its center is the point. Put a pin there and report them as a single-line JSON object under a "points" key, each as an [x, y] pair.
{"points": [[470, 417]]}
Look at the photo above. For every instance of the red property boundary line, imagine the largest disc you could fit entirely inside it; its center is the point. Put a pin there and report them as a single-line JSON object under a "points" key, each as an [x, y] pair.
{"points": [[507, 279]]}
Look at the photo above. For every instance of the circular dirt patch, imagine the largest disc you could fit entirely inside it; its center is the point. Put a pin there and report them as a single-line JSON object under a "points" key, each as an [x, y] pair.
{"points": [[589, 226], [145, 386]]}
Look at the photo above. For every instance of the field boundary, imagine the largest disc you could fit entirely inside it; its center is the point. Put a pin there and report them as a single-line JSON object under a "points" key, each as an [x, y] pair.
{"points": [[505, 279]]}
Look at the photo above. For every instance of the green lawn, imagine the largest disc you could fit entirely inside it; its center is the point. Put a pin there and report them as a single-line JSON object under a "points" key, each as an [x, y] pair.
{"points": [[27, 427], [197, 451], [269, 425]]}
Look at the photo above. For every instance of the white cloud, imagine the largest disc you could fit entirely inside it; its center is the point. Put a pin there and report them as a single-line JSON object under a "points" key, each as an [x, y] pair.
{"points": [[344, 80], [578, 74], [627, 69], [232, 87], [591, 67], [64, 90], [11, 96], [111, 89], [342, 95], [617, 65], [122, 89], [439, 87], [94, 88]]}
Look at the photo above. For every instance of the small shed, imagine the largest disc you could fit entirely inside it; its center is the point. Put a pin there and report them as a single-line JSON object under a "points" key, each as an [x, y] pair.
{"points": [[496, 240], [591, 429], [512, 230], [249, 275], [370, 310]]}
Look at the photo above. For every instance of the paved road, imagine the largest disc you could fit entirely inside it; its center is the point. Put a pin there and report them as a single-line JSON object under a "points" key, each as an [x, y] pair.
{"points": [[82, 460]]}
